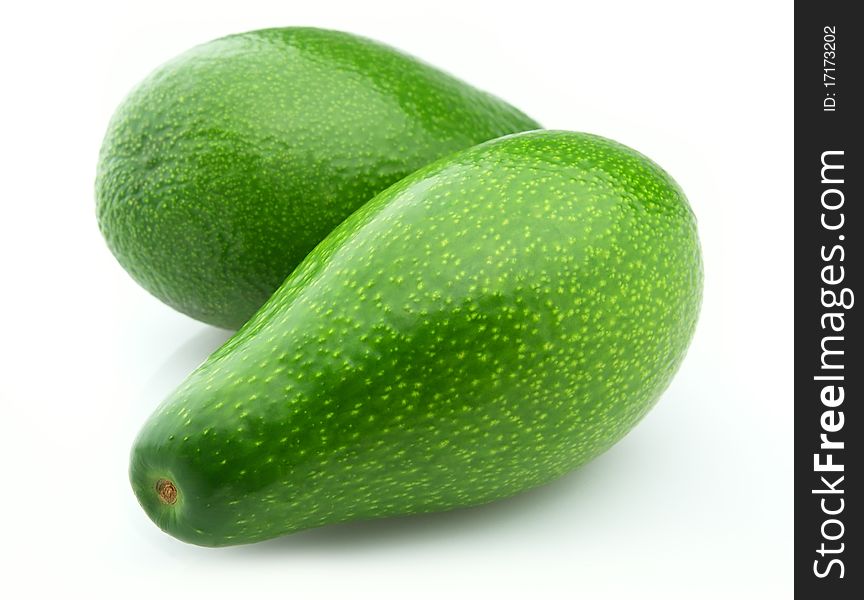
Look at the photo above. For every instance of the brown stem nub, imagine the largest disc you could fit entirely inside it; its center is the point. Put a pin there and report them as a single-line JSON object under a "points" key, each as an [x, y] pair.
{"points": [[167, 491]]}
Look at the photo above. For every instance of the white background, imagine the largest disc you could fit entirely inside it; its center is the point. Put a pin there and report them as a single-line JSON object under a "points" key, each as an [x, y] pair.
{"points": [[694, 503]]}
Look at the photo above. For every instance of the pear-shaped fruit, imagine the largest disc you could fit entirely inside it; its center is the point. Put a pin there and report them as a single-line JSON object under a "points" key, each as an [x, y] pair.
{"points": [[227, 165], [483, 326]]}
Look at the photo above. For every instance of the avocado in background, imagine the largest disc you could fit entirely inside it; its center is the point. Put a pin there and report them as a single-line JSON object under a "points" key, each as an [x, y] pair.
{"points": [[483, 326], [226, 166]]}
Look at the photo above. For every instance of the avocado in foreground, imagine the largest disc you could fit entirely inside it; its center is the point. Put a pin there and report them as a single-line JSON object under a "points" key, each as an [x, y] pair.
{"points": [[226, 166], [481, 327]]}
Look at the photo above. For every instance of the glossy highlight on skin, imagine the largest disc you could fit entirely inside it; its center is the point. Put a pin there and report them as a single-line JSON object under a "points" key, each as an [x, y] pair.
{"points": [[484, 326], [227, 165]]}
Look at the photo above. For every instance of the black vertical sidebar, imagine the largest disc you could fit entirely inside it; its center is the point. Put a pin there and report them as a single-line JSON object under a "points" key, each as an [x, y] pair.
{"points": [[829, 370]]}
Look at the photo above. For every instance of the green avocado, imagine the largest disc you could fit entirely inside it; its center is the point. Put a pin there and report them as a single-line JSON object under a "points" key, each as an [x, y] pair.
{"points": [[483, 326], [226, 166]]}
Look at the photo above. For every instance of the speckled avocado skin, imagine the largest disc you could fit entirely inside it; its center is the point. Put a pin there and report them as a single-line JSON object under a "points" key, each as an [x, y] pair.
{"points": [[227, 165], [481, 327]]}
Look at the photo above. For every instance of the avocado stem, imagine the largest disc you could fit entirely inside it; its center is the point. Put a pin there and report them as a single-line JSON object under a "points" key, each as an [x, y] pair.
{"points": [[167, 491]]}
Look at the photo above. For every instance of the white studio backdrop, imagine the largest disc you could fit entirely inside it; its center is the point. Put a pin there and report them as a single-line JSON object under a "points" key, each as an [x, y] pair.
{"points": [[694, 503]]}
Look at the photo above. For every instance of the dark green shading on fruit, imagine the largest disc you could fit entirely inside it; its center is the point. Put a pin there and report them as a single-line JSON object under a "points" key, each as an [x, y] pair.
{"points": [[483, 326], [226, 166]]}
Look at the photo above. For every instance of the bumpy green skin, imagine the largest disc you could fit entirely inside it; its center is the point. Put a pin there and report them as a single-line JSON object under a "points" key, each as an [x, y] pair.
{"points": [[226, 166], [481, 327]]}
